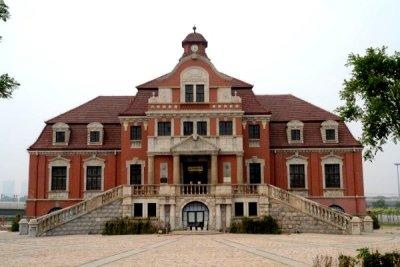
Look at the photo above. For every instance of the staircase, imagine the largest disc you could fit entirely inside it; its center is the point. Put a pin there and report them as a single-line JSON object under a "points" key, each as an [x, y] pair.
{"points": [[291, 211], [55, 219], [322, 213]]}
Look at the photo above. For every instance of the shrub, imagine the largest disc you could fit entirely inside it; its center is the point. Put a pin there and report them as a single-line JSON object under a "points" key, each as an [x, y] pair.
{"points": [[370, 259], [323, 261], [347, 261], [128, 226], [15, 223], [267, 225]]}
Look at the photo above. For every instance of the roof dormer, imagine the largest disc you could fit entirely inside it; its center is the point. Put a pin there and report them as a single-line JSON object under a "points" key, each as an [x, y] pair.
{"points": [[61, 134]]}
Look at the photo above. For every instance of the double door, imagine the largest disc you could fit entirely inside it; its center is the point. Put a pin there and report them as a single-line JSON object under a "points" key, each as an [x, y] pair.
{"points": [[195, 219]]}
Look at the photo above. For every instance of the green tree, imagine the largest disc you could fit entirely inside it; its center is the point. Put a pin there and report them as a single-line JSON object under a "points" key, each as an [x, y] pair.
{"points": [[381, 203], [397, 205], [372, 96], [7, 83]]}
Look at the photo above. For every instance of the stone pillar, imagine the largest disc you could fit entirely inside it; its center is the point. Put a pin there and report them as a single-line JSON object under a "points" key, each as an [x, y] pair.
{"points": [[228, 215], [214, 169], [355, 225], [239, 166], [162, 213], [23, 227], [172, 216], [33, 225], [150, 169], [176, 168], [218, 218], [127, 201], [368, 224]]}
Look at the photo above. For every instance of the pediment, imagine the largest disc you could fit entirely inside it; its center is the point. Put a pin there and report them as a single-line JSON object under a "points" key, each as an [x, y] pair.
{"points": [[195, 144]]}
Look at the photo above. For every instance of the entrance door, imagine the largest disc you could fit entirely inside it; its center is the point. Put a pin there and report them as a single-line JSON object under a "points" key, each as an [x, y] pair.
{"points": [[136, 174], [195, 215], [195, 170]]}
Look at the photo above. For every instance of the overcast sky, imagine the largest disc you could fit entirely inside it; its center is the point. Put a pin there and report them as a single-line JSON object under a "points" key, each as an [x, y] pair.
{"points": [[65, 53]]}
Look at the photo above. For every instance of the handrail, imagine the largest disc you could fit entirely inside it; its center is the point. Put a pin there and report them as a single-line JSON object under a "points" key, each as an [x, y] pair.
{"points": [[145, 190], [245, 189], [339, 219], [52, 220]]}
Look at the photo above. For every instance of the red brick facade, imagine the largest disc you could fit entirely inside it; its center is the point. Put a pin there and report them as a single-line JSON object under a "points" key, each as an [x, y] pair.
{"points": [[163, 100]]}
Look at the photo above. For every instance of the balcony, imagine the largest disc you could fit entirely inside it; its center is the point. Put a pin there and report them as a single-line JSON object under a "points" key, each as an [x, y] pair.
{"points": [[163, 144]]}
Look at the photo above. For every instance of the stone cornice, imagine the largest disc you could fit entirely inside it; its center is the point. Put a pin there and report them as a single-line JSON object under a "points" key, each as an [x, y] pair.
{"points": [[319, 150], [73, 152], [194, 113]]}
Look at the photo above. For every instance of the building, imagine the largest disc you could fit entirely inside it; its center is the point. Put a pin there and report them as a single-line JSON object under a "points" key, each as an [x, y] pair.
{"points": [[196, 145]]}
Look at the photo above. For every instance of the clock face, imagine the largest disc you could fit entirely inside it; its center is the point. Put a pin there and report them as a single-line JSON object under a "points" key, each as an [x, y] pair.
{"points": [[194, 48]]}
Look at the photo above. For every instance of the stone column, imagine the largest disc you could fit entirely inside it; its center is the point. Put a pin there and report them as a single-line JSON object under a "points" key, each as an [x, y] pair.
{"points": [[23, 227], [33, 224], [355, 225], [218, 217], [368, 224], [214, 169], [228, 215], [162, 213], [172, 216], [176, 169], [150, 169], [239, 165]]}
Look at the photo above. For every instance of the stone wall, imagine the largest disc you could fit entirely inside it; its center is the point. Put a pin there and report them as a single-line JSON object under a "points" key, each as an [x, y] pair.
{"points": [[90, 223], [294, 221]]}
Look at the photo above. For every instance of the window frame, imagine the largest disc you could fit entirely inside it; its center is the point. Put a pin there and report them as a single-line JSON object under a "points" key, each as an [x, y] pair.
{"points": [[57, 140], [336, 179], [63, 177], [295, 133], [236, 206], [94, 133], [329, 137], [138, 177], [251, 177], [299, 175], [97, 176], [202, 94], [189, 96], [163, 131], [254, 131], [251, 210], [185, 128], [154, 214], [135, 211], [224, 130], [135, 133], [203, 128]]}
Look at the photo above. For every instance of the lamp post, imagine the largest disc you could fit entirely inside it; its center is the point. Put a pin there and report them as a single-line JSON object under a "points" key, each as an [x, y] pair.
{"points": [[398, 179]]}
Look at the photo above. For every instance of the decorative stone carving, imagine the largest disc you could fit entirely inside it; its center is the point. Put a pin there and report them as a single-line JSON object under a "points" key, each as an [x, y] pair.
{"points": [[164, 96], [330, 124], [61, 127], [333, 193], [195, 75], [227, 172], [224, 95], [195, 144], [294, 125]]}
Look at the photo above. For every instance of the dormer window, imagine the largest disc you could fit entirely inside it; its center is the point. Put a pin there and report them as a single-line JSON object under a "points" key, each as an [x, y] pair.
{"points": [[95, 133], [194, 85], [189, 93], [194, 93], [329, 131], [200, 93], [294, 131], [61, 134]]}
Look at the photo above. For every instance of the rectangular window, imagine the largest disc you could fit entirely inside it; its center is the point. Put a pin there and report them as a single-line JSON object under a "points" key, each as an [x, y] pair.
{"points": [[137, 210], [151, 210], [332, 175], [255, 173], [330, 134], [239, 209], [202, 128], [297, 176], [136, 133], [225, 128], [136, 174], [93, 178], [59, 178], [200, 93], [187, 127], [94, 136], [295, 135], [60, 137], [252, 208], [189, 93], [164, 128], [254, 131]]}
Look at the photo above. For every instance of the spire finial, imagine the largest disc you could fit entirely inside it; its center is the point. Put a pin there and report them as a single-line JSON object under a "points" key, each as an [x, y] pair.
{"points": [[194, 29]]}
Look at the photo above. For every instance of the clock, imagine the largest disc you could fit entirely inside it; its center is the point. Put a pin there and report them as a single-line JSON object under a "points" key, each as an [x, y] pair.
{"points": [[194, 48]]}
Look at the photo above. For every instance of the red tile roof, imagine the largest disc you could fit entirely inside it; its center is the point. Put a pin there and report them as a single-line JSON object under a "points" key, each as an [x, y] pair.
{"points": [[78, 138], [194, 37], [250, 103], [312, 136], [103, 109], [138, 107], [289, 107]]}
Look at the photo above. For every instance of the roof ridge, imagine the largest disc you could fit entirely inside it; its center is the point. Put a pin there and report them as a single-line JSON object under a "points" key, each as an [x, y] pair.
{"points": [[315, 106]]}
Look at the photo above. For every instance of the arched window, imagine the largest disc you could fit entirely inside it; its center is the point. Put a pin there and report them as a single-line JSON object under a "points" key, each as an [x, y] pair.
{"points": [[337, 208]]}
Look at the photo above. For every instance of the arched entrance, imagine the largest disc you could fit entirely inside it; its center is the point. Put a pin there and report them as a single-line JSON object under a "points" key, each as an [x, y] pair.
{"points": [[195, 215], [54, 209], [337, 208]]}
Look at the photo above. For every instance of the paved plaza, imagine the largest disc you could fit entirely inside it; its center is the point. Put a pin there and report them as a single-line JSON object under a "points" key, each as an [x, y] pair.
{"points": [[186, 250]]}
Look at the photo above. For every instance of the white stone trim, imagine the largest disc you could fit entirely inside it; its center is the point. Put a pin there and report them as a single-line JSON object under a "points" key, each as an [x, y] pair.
{"points": [[156, 121], [61, 127], [195, 76], [294, 125], [318, 150], [93, 161], [93, 127], [297, 159], [135, 160], [58, 162], [254, 159], [332, 159], [330, 124]]}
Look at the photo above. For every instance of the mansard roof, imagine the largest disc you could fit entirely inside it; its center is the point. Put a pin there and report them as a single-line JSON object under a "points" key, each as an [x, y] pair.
{"points": [[289, 107], [103, 109]]}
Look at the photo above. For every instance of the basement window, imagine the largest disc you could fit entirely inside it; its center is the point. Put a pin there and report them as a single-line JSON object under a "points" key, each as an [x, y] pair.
{"points": [[239, 211], [137, 210], [151, 210], [252, 208]]}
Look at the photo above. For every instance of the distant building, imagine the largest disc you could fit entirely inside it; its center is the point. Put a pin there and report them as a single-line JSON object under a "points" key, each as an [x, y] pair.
{"points": [[8, 187]]}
